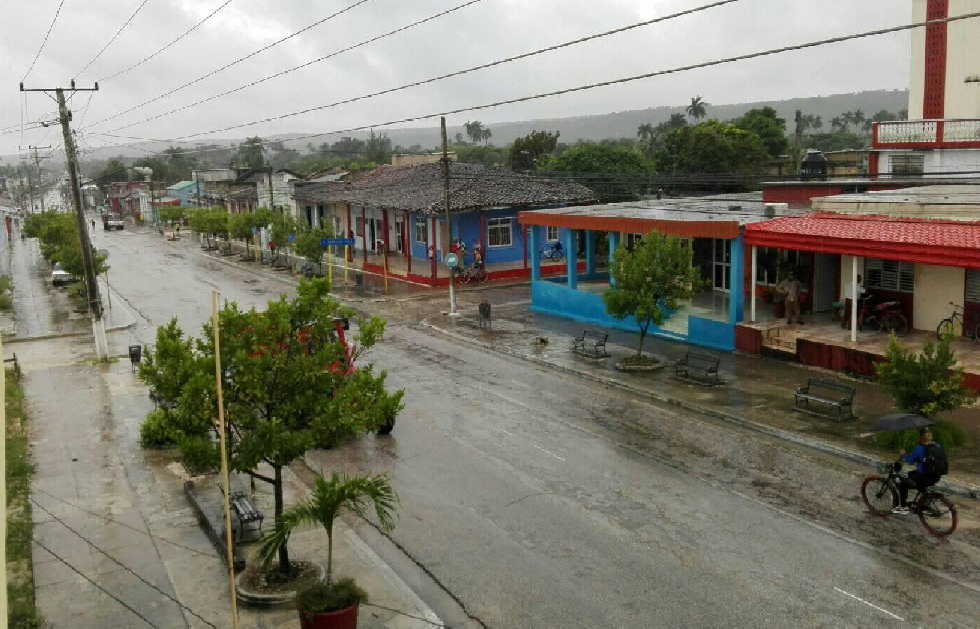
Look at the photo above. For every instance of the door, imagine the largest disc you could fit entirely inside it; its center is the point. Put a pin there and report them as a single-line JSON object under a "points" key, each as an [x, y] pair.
{"points": [[721, 262], [824, 281]]}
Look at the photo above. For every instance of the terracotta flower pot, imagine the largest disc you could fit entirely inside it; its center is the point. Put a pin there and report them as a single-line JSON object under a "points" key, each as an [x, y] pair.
{"points": [[345, 618]]}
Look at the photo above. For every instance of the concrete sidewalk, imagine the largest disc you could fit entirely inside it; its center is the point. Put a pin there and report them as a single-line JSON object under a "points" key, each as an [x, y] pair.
{"points": [[758, 392]]}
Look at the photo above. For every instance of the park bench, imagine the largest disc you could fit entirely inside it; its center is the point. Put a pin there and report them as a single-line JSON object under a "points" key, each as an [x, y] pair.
{"points": [[828, 393], [591, 344], [700, 367], [249, 517]]}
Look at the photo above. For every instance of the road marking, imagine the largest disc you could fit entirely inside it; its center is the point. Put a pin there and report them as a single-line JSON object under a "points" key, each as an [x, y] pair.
{"points": [[872, 605]]}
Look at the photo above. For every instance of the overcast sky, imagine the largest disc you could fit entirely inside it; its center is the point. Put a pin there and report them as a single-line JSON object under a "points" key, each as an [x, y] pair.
{"points": [[484, 31]]}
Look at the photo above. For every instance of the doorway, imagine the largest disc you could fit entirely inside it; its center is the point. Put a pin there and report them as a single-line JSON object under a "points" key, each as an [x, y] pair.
{"points": [[825, 268], [721, 258]]}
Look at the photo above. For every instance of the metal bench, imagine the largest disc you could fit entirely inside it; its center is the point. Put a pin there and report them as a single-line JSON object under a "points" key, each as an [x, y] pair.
{"points": [[591, 344], [249, 517], [829, 393], [700, 367]]}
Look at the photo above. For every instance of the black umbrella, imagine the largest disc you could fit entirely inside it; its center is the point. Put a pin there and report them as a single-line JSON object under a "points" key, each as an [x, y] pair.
{"points": [[901, 421]]}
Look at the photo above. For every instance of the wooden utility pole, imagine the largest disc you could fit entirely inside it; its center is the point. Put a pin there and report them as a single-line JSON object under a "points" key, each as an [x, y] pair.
{"points": [[3, 492], [40, 180], [449, 220], [75, 193]]}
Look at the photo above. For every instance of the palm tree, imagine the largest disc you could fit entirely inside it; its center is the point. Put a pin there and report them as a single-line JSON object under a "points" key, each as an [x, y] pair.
{"points": [[645, 132], [697, 109], [847, 118], [474, 129], [485, 135], [676, 121], [859, 117], [329, 498], [837, 123]]}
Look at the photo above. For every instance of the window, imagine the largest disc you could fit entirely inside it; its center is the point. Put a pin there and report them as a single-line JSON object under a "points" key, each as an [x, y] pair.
{"points": [[907, 163], [632, 240], [552, 233], [499, 232], [973, 285], [421, 233], [360, 226], [889, 275]]}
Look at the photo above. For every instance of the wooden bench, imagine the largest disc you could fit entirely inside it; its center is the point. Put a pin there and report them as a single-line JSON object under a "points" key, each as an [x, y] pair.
{"points": [[700, 367], [829, 393], [249, 517], [591, 344]]}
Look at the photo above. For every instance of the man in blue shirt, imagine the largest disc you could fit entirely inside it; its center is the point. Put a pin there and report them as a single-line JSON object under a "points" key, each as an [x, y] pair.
{"points": [[920, 478]]}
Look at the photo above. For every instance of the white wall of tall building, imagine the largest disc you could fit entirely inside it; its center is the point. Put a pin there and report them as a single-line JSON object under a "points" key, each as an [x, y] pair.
{"points": [[962, 100], [935, 288], [939, 162]]}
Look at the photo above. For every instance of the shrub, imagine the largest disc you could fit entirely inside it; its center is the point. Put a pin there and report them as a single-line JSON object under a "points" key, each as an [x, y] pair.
{"points": [[155, 432], [927, 382], [328, 597], [199, 454], [949, 435]]}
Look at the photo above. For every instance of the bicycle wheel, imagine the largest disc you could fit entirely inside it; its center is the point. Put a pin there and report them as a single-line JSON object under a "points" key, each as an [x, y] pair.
{"points": [[895, 322], [879, 495], [938, 515], [945, 327]]}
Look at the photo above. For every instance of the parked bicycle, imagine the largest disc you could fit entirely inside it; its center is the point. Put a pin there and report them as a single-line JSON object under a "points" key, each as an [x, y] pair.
{"points": [[880, 493], [553, 251], [956, 321], [474, 273]]}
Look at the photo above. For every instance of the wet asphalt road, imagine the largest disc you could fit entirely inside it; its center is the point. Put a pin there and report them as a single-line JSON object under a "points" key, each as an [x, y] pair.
{"points": [[523, 493]]}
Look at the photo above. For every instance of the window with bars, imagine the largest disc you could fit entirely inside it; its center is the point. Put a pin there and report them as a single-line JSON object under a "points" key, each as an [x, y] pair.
{"points": [[889, 275], [552, 233], [500, 232], [421, 233], [973, 285], [907, 163]]}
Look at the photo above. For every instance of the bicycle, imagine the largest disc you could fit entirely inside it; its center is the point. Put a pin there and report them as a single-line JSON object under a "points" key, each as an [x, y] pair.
{"points": [[949, 324], [553, 251], [880, 493]]}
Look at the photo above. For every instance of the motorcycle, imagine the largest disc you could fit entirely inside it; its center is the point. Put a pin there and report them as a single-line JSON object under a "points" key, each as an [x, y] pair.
{"points": [[886, 315]]}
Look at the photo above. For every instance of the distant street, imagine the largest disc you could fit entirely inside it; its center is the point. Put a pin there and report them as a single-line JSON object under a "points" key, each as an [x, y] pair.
{"points": [[540, 500]]}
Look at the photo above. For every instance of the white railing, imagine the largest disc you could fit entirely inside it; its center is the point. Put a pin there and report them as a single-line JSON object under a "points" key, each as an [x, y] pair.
{"points": [[961, 131], [903, 131]]}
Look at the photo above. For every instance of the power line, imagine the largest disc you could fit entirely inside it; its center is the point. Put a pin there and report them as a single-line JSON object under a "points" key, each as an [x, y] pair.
{"points": [[429, 80], [591, 86], [233, 63], [114, 37], [104, 591], [44, 41], [169, 44]]}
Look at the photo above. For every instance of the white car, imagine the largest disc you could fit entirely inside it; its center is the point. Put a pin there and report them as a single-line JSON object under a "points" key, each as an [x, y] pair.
{"points": [[60, 277]]}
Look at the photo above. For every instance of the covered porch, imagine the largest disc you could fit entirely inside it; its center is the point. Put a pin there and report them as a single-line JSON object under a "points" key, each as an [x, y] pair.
{"points": [[709, 319]]}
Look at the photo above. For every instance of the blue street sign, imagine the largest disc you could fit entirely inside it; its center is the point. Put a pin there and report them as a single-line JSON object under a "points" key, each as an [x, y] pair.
{"points": [[336, 242], [451, 260]]}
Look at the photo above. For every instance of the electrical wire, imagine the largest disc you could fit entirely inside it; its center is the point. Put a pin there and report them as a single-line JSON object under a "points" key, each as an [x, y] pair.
{"points": [[113, 38], [44, 41], [190, 30], [102, 589], [441, 77], [590, 86], [233, 63]]}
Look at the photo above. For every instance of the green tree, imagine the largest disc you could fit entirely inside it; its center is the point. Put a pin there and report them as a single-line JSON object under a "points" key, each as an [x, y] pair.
{"points": [[378, 148], [475, 154], [615, 173], [926, 382], [250, 153], [308, 245], [698, 109], [651, 280], [712, 147], [114, 170], [281, 397], [171, 214], [770, 128], [474, 130], [527, 150], [58, 237], [328, 500]]}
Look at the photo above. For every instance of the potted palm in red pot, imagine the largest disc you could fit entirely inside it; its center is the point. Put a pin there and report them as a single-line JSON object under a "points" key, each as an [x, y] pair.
{"points": [[332, 604]]}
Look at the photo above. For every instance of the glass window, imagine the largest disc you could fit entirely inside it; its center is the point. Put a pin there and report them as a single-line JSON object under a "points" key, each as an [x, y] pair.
{"points": [[499, 232], [973, 285], [907, 163], [889, 275], [421, 233], [552, 232]]}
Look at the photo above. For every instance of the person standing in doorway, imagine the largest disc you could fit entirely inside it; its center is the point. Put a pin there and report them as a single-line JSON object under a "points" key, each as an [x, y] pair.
{"points": [[791, 287]]}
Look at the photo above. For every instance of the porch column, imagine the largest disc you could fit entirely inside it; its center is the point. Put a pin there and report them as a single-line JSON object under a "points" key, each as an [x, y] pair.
{"points": [[349, 234], [364, 232], [432, 248], [854, 298], [589, 251], [535, 244], [613, 245], [571, 259], [524, 236], [755, 269], [408, 223], [736, 281], [386, 229]]}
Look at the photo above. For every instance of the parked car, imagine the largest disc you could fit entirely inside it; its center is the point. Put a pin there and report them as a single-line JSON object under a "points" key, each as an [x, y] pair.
{"points": [[60, 277], [111, 221]]}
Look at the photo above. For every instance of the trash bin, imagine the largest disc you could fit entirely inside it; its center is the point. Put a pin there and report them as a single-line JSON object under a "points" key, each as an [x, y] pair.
{"points": [[135, 354]]}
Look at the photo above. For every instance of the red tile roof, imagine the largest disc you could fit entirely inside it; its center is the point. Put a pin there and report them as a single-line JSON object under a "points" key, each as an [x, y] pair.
{"points": [[930, 241]]}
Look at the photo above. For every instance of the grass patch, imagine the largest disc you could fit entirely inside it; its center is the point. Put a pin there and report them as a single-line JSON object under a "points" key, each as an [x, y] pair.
{"points": [[6, 299], [21, 611]]}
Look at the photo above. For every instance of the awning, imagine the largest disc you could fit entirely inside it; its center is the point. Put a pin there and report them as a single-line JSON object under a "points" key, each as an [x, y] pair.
{"points": [[927, 241]]}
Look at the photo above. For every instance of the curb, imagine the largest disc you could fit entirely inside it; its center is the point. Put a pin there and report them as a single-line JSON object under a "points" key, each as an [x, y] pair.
{"points": [[65, 335], [959, 488]]}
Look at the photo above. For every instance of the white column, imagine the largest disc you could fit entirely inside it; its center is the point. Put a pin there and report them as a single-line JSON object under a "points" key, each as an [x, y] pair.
{"points": [[854, 298], [755, 262]]}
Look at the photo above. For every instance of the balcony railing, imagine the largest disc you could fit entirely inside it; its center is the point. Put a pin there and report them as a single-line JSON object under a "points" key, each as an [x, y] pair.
{"points": [[959, 133]]}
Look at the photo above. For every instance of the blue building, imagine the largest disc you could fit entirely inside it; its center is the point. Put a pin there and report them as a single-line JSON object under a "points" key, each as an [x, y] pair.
{"points": [[185, 192], [714, 227]]}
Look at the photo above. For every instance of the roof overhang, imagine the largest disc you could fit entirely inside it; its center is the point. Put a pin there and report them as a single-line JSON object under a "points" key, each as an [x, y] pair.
{"points": [[633, 225]]}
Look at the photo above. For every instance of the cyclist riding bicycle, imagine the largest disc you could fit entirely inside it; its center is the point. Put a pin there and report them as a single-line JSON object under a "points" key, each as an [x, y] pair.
{"points": [[931, 464]]}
